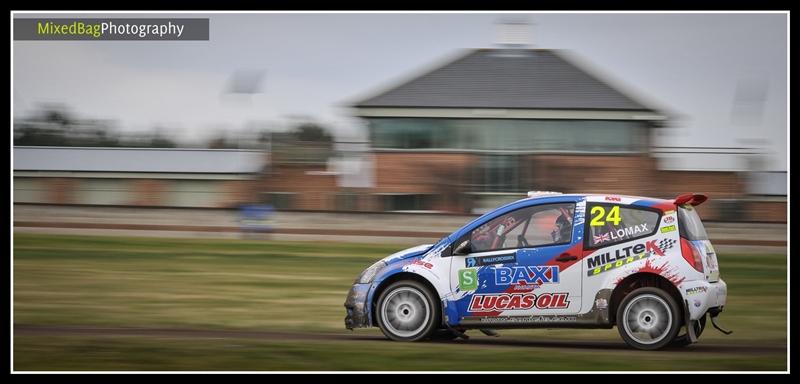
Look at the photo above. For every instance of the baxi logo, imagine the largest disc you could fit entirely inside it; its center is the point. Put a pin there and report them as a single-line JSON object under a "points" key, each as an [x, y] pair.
{"points": [[526, 275]]}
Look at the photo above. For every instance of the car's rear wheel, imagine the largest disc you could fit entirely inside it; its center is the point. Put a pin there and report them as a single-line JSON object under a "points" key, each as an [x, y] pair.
{"points": [[407, 311], [648, 318]]}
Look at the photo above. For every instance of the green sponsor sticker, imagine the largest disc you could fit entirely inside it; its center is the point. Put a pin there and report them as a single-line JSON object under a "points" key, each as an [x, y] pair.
{"points": [[468, 279], [668, 228]]}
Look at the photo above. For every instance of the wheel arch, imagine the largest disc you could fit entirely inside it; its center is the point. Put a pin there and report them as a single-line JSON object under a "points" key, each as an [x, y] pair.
{"points": [[404, 275], [639, 280]]}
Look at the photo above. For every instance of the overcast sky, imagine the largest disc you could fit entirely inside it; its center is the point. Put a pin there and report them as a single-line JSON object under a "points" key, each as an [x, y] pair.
{"points": [[725, 74]]}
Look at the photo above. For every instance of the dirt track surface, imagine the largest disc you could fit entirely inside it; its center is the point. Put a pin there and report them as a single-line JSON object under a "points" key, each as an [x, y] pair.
{"points": [[58, 330]]}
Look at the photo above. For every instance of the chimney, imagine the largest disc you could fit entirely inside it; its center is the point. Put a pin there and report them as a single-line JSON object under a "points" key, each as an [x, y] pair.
{"points": [[515, 34]]}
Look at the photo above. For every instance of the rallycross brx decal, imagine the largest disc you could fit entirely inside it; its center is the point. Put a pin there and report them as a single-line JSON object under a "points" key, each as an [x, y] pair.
{"points": [[490, 260]]}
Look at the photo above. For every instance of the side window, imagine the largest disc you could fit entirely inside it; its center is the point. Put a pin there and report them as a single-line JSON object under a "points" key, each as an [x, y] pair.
{"points": [[532, 226], [551, 225], [610, 224]]}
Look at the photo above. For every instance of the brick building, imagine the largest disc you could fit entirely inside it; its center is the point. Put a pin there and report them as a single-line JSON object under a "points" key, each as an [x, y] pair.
{"points": [[147, 177], [466, 136], [494, 123]]}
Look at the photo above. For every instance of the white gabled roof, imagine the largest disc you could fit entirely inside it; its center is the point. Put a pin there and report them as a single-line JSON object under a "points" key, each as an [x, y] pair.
{"points": [[161, 160]]}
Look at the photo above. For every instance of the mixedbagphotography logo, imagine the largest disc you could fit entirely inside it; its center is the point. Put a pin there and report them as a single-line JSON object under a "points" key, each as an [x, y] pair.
{"points": [[110, 29]]}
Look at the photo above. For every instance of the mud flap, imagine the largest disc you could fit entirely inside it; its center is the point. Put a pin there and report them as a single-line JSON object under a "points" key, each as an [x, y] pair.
{"points": [[490, 332], [688, 323], [717, 326], [445, 322], [459, 334]]}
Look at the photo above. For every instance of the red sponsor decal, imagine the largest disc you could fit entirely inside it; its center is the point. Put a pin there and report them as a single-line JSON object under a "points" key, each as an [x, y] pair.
{"points": [[613, 198], [522, 287], [651, 246], [669, 219], [507, 301], [422, 263], [661, 270]]}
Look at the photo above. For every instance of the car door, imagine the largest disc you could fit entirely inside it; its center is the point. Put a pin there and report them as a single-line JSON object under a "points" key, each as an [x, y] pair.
{"points": [[514, 267]]}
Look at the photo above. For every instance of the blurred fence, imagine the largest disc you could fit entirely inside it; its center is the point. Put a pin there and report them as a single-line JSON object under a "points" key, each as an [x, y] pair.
{"points": [[395, 228]]}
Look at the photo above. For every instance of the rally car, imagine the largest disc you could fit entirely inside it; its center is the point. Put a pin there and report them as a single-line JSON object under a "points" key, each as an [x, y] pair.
{"points": [[553, 260]]}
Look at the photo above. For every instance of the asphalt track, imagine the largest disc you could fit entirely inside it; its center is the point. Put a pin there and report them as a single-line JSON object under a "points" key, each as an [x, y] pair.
{"points": [[189, 333]]}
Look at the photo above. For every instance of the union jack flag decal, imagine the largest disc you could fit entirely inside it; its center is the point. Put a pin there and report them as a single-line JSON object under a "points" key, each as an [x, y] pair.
{"points": [[602, 238]]}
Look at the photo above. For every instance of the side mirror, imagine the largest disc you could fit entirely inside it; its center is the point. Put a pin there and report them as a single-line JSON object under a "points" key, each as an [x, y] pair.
{"points": [[464, 248]]}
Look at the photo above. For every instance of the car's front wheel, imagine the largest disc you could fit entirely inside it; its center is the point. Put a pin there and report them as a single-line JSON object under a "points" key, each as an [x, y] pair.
{"points": [[407, 311], [648, 318]]}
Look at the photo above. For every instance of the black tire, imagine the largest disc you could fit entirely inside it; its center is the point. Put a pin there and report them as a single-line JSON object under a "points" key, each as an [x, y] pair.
{"points": [[407, 303], [683, 340], [648, 318], [443, 335]]}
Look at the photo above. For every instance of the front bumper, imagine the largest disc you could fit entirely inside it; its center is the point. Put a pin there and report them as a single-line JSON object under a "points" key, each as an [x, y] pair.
{"points": [[703, 297], [356, 306]]}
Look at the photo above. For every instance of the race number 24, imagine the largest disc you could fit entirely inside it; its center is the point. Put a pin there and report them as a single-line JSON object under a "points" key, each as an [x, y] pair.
{"points": [[599, 216]]}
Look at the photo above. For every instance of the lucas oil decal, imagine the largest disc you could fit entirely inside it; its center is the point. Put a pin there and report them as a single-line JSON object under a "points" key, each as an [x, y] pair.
{"points": [[526, 275], [507, 301]]}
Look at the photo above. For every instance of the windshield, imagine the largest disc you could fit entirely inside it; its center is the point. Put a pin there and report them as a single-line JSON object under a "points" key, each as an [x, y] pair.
{"points": [[691, 226]]}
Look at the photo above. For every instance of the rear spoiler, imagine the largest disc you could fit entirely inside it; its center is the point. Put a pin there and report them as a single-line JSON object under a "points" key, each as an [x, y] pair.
{"points": [[690, 198]]}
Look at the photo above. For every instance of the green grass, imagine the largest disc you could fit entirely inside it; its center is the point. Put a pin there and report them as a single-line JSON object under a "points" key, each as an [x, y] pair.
{"points": [[300, 287], [156, 282], [166, 354]]}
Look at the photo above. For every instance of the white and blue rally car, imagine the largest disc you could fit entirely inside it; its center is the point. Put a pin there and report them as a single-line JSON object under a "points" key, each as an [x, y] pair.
{"points": [[553, 260]]}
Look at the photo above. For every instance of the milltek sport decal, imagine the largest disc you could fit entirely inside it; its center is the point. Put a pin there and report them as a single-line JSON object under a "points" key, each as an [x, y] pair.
{"points": [[506, 301], [490, 260], [696, 290], [608, 261]]}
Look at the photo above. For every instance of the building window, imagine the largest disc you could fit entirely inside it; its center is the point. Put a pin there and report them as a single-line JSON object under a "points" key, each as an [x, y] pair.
{"points": [[525, 135], [407, 202], [279, 200], [403, 133], [346, 201], [497, 173]]}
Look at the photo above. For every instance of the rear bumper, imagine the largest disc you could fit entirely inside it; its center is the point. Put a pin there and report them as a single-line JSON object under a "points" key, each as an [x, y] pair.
{"points": [[704, 297], [356, 307]]}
